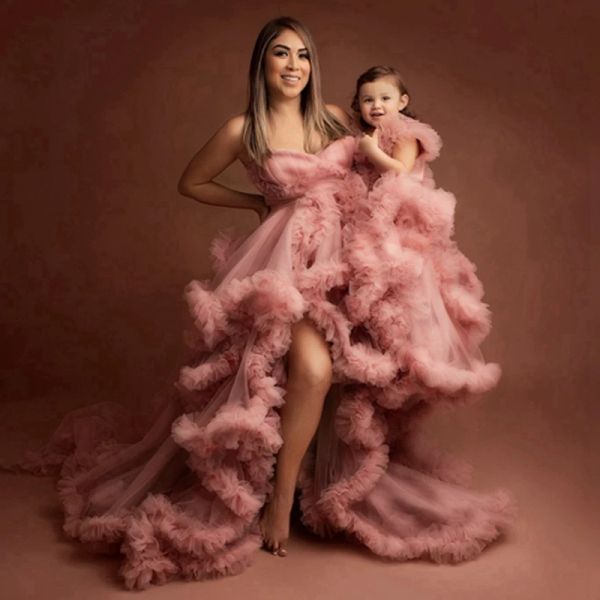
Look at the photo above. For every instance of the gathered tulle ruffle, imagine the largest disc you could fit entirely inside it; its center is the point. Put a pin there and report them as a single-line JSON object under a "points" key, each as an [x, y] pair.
{"points": [[178, 491]]}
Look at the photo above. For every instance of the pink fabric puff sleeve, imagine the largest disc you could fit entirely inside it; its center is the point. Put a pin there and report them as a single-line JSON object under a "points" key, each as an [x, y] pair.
{"points": [[397, 127]]}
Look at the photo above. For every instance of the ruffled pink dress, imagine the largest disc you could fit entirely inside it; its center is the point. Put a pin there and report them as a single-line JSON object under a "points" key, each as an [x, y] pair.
{"points": [[179, 494]]}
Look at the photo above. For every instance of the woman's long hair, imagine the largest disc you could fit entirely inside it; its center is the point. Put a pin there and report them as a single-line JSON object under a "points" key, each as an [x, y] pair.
{"points": [[317, 119]]}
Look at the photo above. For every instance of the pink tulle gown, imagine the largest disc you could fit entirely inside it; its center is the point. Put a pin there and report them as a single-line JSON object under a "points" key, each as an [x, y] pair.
{"points": [[180, 494]]}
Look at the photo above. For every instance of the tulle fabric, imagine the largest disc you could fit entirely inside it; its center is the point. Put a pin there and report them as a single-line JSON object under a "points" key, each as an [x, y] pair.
{"points": [[179, 492], [413, 296]]}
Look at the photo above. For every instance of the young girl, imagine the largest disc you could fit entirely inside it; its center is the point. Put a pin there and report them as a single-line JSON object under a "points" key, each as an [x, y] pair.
{"points": [[392, 139], [435, 318]]}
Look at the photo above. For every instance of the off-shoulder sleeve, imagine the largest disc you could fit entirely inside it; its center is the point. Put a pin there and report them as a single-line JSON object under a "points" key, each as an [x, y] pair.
{"points": [[397, 127]]}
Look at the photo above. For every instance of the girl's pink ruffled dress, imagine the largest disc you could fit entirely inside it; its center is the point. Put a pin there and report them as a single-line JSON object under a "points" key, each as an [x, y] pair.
{"points": [[179, 494]]}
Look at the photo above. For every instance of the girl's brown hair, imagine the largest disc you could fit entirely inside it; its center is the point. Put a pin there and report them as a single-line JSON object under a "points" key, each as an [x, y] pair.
{"points": [[318, 121], [373, 74]]}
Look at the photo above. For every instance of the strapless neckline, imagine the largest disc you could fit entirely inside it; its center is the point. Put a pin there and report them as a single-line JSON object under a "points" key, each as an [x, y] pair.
{"points": [[297, 152], [301, 152]]}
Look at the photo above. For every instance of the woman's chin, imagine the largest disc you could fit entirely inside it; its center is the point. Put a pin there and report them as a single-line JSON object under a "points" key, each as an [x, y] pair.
{"points": [[288, 92]]}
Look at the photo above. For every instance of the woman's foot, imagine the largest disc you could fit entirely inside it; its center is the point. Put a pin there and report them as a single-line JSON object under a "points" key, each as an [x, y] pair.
{"points": [[275, 523]]}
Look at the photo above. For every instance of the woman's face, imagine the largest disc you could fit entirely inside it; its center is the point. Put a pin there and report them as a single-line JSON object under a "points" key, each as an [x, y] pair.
{"points": [[379, 98], [287, 65]]}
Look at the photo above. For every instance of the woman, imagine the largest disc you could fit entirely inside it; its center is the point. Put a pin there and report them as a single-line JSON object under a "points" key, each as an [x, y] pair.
{"points": [[213, 475], [285, 112]]}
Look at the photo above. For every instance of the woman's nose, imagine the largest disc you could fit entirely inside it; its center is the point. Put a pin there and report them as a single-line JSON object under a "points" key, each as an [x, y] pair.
{"points": [[292, 65]]}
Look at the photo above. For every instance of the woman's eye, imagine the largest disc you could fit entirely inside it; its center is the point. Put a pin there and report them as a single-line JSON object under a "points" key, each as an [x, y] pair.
{"points": [[280, 53], [304, 56], [386, 97]]}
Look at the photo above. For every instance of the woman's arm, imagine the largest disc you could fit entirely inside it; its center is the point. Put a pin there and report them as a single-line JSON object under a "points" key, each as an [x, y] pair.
{"points": [[213, 158], [402, 159]]}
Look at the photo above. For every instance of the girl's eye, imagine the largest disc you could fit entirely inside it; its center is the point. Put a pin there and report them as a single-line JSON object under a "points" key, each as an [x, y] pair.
{"points": [[280, 53], [304, 56]]}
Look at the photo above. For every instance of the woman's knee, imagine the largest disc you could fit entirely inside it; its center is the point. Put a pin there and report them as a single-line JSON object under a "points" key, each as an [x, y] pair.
{"points": [[312, 370], [309, 360]]}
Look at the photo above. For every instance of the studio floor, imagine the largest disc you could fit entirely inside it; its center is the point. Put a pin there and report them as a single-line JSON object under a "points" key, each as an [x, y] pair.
{"points": [[549, 554]]}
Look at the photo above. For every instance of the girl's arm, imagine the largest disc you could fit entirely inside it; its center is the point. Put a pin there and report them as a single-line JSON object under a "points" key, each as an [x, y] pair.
{"points": [[403, 156], [213, 158]]}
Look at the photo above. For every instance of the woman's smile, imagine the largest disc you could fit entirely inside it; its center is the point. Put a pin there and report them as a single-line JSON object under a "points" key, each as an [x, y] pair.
{"points": [[291, 79]]}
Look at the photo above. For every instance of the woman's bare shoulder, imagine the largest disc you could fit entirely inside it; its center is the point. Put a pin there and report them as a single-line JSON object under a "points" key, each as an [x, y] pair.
{"points": [[233, 128], [228, 138], [340, 114]]}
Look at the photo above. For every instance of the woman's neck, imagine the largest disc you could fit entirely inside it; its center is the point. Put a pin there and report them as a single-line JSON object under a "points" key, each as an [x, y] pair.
{"points": [[285, 107], [285, 124]]}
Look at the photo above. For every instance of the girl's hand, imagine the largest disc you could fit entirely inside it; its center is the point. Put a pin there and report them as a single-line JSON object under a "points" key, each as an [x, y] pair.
{"points": [[367, 144]]}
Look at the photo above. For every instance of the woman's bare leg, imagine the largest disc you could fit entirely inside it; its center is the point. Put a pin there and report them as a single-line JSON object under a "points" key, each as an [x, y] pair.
{"points": [[309, 379]]}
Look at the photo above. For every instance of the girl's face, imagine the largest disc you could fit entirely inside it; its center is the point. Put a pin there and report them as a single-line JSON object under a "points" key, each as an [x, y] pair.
{"points": [[287, 65], [379, 98]]}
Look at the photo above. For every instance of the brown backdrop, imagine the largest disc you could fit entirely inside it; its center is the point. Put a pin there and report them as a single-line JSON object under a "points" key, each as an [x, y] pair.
{"points": [[104, 103]]}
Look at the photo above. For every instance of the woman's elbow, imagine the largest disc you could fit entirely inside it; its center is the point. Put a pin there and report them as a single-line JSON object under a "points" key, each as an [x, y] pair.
{"points": [[187, 188], [183, 187]]}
